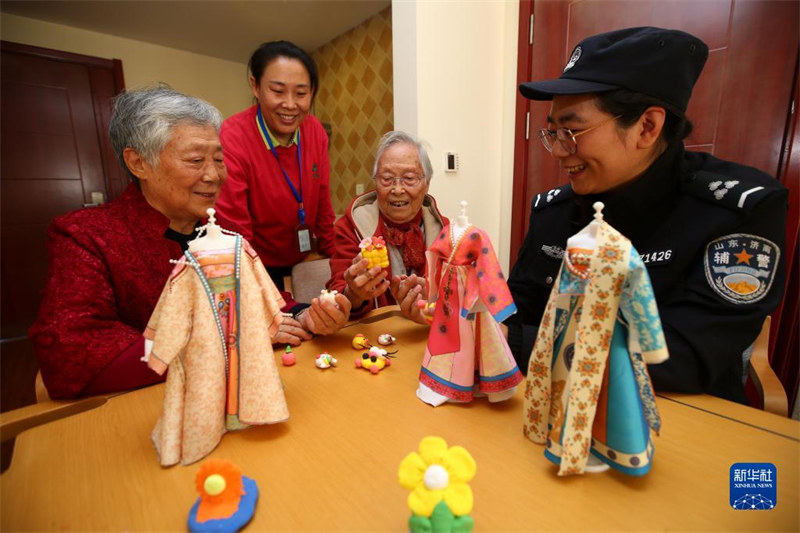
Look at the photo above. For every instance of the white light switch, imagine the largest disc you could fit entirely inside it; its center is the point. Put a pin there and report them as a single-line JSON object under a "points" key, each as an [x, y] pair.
{"points": [[359, 188]]}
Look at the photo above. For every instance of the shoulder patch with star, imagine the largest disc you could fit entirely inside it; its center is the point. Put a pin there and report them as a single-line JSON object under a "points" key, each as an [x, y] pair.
{"points": [[741, 267]]}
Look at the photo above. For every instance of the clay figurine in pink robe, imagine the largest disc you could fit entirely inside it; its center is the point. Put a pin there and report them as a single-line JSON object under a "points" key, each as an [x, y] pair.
{"points": [[466, 352]]}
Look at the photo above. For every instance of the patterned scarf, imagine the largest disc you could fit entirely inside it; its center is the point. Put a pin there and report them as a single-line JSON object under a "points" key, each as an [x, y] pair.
{"points": [[407, 237]]}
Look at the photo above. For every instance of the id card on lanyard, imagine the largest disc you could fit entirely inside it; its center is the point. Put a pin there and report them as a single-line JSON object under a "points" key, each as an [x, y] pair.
{"points": [[302, 229]]}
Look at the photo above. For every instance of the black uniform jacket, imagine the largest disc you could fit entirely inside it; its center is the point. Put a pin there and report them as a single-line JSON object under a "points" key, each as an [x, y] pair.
{"points": [[688, 212]]}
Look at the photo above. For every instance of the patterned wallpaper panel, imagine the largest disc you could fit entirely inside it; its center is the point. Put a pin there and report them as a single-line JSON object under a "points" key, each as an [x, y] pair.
{"points": [[355, 98]]}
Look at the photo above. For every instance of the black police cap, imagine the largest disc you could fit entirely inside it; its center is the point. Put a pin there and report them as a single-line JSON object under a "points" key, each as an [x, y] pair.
{"points": [[661, 63]]}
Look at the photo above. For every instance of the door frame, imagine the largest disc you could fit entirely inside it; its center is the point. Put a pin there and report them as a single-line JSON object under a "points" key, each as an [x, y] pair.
{"points": [[519, 194]]}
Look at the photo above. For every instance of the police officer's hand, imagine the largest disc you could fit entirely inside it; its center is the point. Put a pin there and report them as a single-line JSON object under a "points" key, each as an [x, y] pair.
{"points": [[324, 318], [407, 291], [364, 283]]}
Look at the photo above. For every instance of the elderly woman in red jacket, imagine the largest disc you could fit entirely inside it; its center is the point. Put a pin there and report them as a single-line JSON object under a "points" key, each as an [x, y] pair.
{"points": [[402, 212], [108, 264]]}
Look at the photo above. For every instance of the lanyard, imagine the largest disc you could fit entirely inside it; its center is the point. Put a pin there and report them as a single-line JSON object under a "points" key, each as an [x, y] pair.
{"points": [[262, 129]]}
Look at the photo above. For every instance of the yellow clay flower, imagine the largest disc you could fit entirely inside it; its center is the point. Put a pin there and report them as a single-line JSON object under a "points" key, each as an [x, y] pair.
{"points": [[438, 473]]}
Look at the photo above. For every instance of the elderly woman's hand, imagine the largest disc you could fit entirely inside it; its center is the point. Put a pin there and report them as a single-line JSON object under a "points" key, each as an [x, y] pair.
{"points": [[291, 332], [407, 291], [364, 283], [323, 318]]}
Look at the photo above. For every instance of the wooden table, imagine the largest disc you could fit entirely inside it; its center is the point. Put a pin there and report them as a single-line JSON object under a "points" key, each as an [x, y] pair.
{"points": [[333, 465], [737, 412]]}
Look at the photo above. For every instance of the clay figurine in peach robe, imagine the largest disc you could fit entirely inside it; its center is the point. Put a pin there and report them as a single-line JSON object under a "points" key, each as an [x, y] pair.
{"points": [[211, 328]]}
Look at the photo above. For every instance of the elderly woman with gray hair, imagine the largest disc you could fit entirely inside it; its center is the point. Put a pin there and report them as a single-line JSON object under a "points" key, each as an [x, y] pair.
{"points": [[401, 212], [108, 264]]}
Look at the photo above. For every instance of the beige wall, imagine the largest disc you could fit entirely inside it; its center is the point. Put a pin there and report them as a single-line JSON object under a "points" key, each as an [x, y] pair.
{"points": [[355, 98], [223, 83], [455, 86]]}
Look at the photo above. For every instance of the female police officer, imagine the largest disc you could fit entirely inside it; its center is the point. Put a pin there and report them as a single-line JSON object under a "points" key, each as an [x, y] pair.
{"points": [[711, 232]]}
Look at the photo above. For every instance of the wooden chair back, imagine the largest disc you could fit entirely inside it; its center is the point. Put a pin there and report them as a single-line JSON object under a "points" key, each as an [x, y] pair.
{"points": [[766, 382], [308, 279]]}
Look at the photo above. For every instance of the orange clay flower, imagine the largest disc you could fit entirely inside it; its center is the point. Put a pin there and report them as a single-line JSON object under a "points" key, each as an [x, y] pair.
{"points": [[219, 483]]}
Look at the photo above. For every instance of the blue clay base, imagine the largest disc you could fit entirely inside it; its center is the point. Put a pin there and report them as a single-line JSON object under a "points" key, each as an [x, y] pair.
{"points": [[235, 522]]}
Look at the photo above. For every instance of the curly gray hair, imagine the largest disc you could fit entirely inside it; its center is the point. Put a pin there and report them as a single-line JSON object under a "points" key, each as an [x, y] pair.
{"points": [[142, 119]]}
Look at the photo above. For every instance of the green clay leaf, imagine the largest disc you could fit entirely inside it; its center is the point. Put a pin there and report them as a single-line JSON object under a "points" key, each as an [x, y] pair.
{"points": [[442, 518], [463, 524], [419, 524]]}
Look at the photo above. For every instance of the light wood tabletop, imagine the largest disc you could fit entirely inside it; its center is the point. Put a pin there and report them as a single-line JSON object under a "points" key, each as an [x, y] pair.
{"points": [[333, 465], [780, 425]]}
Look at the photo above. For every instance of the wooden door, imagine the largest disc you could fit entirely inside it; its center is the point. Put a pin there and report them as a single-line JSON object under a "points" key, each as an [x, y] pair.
{"points": [[741, 107], [54, 153]]}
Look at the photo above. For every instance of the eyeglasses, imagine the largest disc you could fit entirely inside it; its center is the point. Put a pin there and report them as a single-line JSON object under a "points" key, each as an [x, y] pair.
{"points": [[565, 136], [405, 181]]}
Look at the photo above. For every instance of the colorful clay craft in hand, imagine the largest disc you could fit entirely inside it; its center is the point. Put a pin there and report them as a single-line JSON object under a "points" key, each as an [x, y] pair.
{"points": [[227, 498], [375, 360], [427, 309], [325, 360], [288, 358], [360, 342], [328, 296], [385, 339], [374, 250]]}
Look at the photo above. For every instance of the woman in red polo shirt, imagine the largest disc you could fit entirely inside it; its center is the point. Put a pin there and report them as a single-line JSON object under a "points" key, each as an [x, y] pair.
{"points": [[278, 190]]}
